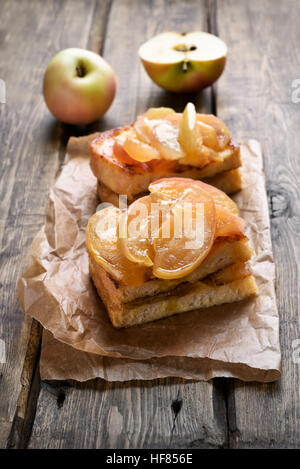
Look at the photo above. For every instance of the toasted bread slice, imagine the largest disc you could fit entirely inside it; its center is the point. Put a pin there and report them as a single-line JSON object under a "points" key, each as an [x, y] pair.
{"points": [[196, 296], [225, 251], [107, 195], [123, 178], [228, 182], [229, 274], [233, 284]]}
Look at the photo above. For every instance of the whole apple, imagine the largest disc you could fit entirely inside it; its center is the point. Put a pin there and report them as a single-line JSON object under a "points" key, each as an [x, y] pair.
{"points": [[79, 86], [184, 62]]}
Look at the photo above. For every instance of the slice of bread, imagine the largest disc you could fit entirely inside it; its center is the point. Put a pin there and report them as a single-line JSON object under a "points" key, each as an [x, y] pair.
{"points": [[132, 180], [228, 182], [156, 298], [233, 284], [185, 298], [225, 251]]}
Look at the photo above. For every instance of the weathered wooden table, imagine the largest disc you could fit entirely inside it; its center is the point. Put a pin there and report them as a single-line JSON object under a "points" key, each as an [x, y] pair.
{"points": [[257, 97]]}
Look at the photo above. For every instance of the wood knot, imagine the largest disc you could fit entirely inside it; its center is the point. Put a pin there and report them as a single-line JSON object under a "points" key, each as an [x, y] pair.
{"points": [[176, 406], [279, 203], [57, 390], [61, 398]]}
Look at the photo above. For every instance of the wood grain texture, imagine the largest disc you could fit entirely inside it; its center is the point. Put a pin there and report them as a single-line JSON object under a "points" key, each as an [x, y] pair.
{"points": [[157, 414], [255, 99], [32, 148], [166, 413], [20, 428]]}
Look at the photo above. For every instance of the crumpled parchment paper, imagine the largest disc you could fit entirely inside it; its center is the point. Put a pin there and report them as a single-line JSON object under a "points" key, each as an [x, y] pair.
{"points": [[237, 340]]}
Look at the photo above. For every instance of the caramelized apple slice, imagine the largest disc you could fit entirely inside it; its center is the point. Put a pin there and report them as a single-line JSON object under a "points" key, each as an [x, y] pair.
{"points": [[121, 154], [191, 223], [190, 139], [209, 135], [102, 244], [165, 140], [167, 188], [143, 128], [228, 223], [140, 151], [220, 197], [187, 128], [134, 232], [159, 113], [140, 225], [145, 123], [222, 133], [118, 147], [163, 229], [173, 187]]}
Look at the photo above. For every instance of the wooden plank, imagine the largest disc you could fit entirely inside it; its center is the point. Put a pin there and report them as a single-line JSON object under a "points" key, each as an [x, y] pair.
{"points": [[30, 386], [165, 413], [255, 99], [32, 147], [168, 413]]}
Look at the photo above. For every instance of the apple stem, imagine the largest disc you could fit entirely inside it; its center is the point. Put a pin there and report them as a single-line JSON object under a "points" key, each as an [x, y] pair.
{"points": [[80, 71]]}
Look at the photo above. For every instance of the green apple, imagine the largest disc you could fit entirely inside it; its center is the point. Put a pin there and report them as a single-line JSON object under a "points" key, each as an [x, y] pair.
{"points": [[79, 86], [185, 62]]}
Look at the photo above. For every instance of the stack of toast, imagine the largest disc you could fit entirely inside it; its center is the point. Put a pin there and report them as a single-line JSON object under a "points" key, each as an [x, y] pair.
{"points": [[222, 278], [170, 159], [137, 290]]}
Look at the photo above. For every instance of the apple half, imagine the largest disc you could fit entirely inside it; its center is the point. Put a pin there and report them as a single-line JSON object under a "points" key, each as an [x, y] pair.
{"points": [[184, 62]]}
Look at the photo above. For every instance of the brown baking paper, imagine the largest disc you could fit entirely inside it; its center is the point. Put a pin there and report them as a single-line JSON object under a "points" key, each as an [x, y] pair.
{"points": [[239, 340], [60, 361]]}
